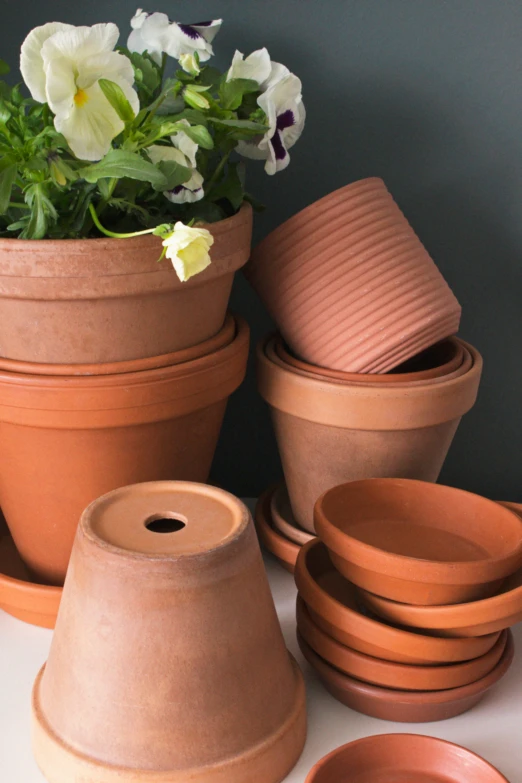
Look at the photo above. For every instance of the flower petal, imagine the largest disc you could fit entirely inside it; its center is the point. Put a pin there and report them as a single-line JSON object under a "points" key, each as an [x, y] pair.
{"points": [[109, 65], [31, 60], [138, 19], [256, 66], [188, 147], [188, 249], [81, 42], [89, 129], [208, 30]]}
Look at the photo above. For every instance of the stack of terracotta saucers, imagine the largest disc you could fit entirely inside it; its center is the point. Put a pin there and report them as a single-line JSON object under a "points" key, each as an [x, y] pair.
{"points": [[395, 553]]}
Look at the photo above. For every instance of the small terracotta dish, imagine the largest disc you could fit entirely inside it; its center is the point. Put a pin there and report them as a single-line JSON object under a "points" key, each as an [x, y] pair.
{"points": [[418, 542], [400, 705], [20, 596], [334, 607], [395, 675], [283, 517], [282, 548], [404, 757]]}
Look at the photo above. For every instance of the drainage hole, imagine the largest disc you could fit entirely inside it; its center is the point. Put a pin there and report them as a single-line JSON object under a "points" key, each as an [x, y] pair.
{"points": [[165, 524]]}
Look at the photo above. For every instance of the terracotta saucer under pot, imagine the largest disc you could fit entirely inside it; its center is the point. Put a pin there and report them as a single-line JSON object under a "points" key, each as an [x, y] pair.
{"points": [[334, 607], [283, 517], [403, 757], [395, 675], [400, 705], [441, 359], [418, 542], [282, 548], [20, 596]]}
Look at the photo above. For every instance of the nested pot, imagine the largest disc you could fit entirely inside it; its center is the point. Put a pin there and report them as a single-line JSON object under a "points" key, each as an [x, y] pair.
{"points": [[168, 663], [109, 300], [329, 432], [350, 285], [64, 441]]}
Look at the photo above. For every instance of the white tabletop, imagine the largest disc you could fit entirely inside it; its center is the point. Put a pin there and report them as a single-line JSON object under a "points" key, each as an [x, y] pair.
{"points": [[492, 728]]}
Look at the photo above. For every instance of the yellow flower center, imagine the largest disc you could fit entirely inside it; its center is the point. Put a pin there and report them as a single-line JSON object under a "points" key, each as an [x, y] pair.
{"points": [[81, 98]]}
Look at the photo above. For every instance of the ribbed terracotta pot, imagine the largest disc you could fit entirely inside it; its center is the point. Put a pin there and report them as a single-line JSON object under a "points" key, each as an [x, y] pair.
{"points": [[109, 300], [167, 664], [64, 441], [348, 282], [329, 433]]}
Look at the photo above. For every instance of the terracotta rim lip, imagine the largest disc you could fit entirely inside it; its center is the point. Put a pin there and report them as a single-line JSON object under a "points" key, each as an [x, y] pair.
{"points": [[29, 244], [380, 561], [380, 668], [127, 367], [114, 774], [280, 546], [428, 698], [376, 631], [222, 355], [198, 488], [422, 739]]}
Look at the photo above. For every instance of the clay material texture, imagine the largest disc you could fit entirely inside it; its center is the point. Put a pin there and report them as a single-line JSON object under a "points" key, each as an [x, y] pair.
{"points": [[168, 663], [276, 543]]}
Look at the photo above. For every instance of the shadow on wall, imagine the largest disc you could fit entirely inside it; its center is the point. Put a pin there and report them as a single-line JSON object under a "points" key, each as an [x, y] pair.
{"points": [[460, 209]]}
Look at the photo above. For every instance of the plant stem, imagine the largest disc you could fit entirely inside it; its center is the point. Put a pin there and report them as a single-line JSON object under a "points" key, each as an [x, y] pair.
{"points": [[219, 170], [18, 205], [112, 234]]}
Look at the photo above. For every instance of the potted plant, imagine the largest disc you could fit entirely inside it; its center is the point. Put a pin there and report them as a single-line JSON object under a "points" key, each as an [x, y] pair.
{"points": [[110, 146]]}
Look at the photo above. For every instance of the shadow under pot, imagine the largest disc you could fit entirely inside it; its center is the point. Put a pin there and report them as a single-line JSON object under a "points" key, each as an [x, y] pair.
{"points": [[329, 432], [64, 441], [167, 663], [71, 301]]}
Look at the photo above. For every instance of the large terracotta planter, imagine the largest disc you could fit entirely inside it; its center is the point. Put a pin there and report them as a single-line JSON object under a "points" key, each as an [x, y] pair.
{"points": [[168, 663], [350, 285], [64, 441], [109, 300], [329, 432]]}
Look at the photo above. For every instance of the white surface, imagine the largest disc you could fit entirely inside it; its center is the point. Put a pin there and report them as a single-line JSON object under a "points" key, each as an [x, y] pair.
{"points": [[492, 728]]}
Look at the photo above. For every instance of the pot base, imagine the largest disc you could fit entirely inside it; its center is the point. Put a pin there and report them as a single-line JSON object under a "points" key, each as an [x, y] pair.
{"points": [[270, 761], [284, 550]]}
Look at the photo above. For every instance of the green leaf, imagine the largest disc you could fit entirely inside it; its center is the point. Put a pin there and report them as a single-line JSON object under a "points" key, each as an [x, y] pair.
{"points": [[118, 100], [5, 114], [150, 76], [200, 135], [232, 92], [4, 68], [174, 173], [119, 164], [231, 187], [8, 173], [244, 125]]}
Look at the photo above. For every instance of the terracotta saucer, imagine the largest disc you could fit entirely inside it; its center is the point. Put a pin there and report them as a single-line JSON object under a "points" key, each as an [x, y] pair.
{"points": [[417, 542], [334, 607], [405, 706], [19, 596], [395, 675], [403, 757], [283, 517], [282, 548]]}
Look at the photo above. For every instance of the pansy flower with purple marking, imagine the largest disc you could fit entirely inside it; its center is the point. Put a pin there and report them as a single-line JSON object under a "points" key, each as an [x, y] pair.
{"points": [[182, 151], [156, 34]]}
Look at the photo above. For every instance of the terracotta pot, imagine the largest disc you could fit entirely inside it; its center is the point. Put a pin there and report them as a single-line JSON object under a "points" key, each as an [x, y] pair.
{"points": [[419, 543], [347, 281], [124, 304], [19, 595], [403, 757], [282, 548], [407, 677], [329, 433], [438, 361], [223, 338], [400, 705], [283, 517], [167, 580], [70, 440], [334, 607]]}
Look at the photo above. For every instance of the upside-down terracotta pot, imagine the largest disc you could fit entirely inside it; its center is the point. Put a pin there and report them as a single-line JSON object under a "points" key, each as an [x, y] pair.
{"points": [[349, 284], [71, 301], [64, 441], [329, 432], [168, 663]]}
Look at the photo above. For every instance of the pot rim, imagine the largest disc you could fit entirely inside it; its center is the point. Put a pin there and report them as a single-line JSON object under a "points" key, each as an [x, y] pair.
{"points": [[414, 569], [280, 546]]}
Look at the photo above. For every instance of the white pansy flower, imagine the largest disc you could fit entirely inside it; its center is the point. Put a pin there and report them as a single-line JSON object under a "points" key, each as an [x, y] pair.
{"points": [[188, 249], [189, 64], [285, 113], [31, 60], [156, 34], [184, 152], [257, 66], [67, 65]]}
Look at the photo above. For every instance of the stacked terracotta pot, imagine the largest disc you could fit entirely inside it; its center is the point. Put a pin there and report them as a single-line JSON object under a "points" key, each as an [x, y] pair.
{"points": [[406, 597], [112, 372], [365, 378]]}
